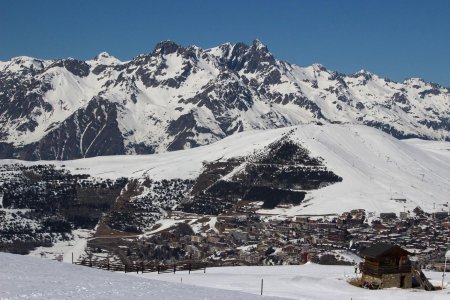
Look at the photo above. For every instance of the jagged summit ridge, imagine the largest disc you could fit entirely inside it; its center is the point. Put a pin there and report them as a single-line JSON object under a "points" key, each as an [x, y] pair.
{"points": [[178, 97]]}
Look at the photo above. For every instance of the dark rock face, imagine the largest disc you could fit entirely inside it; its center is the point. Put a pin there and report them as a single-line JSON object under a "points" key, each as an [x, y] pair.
{"points": [[220, 97], [183, 129], [89, 132], [28, 102], [390, 130], [76, 67], [434, 92], [236, 60], [250, 59], [165, 47], [183, 123], [443, 123], [310, 106], [99, 69], [142, 148], [360, 106], [400, 98]]}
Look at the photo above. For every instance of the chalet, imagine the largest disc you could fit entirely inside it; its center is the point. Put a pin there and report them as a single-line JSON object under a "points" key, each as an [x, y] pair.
{"points": [[301, 219], [291, 249], [213, 239], [387, 265], [240, 236], [441, 215], [195, 239], [388, 216], [404, 215], [166, 235], [173, 245], [193, 252]]}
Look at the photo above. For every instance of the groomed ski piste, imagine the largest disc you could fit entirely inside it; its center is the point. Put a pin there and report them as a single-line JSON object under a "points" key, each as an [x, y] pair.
{"points": [[23, 277], [380, 173]]}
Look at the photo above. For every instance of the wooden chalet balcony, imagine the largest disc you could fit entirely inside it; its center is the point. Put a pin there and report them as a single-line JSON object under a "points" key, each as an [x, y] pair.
{"points": [[386, 269]]}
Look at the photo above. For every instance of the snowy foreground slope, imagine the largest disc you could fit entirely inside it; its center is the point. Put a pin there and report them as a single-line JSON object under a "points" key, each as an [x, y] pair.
{"points": [[24, 277], [380, 173], [309, 281]]}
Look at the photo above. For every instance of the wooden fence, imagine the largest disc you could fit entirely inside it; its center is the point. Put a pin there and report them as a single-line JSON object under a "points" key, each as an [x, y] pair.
{"points": [[142, 267]]}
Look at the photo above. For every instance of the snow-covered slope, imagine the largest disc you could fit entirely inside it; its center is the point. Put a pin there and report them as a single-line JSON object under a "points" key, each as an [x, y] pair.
{"points": [[25, 277], [180, 97], [308, 281], [31, 278], [380, 173]]}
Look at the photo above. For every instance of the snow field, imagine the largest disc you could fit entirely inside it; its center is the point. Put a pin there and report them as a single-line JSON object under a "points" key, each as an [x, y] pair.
{"points": [[309, 281], [24, 277]]}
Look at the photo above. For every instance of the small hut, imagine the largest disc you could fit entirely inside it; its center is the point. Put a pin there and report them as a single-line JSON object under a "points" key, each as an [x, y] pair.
{"points": [[387, 265]]}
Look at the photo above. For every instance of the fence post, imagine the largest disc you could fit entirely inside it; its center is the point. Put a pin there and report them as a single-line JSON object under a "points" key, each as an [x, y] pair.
{"points": [[90, 262], [108, 262], [262, 284], [137, 268], [72, 257], [125, 267], [204, 270], [190, 267], [159, 268], [174, 268]]}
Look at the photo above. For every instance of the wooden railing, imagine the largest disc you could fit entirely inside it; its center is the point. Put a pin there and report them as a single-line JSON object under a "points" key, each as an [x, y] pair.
{"points": [[143, 267]]}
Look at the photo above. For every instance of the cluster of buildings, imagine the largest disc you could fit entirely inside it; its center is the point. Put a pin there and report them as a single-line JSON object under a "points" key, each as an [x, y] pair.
{"points": [[251, 239]]}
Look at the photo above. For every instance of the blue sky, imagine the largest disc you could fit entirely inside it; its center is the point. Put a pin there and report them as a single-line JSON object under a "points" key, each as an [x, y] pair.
{"points": [[395, 39]]}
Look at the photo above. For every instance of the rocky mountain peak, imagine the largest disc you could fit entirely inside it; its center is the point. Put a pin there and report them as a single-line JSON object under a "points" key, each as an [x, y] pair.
{"points": [[259, 46], [364, 75], [165, 47], [319, 67], [104, 58], [417, 81], [21, 63], [76, 67], [363, 72], [102, 55], [250, 59]]}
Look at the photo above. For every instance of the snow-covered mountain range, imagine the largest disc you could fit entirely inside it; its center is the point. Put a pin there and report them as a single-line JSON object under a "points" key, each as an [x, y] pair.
{"points": [[181, 97]]}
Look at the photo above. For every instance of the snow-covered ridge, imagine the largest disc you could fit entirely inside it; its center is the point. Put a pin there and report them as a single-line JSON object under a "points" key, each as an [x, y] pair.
{"points": [[181, 97], [104, 58], [380, 173]]}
